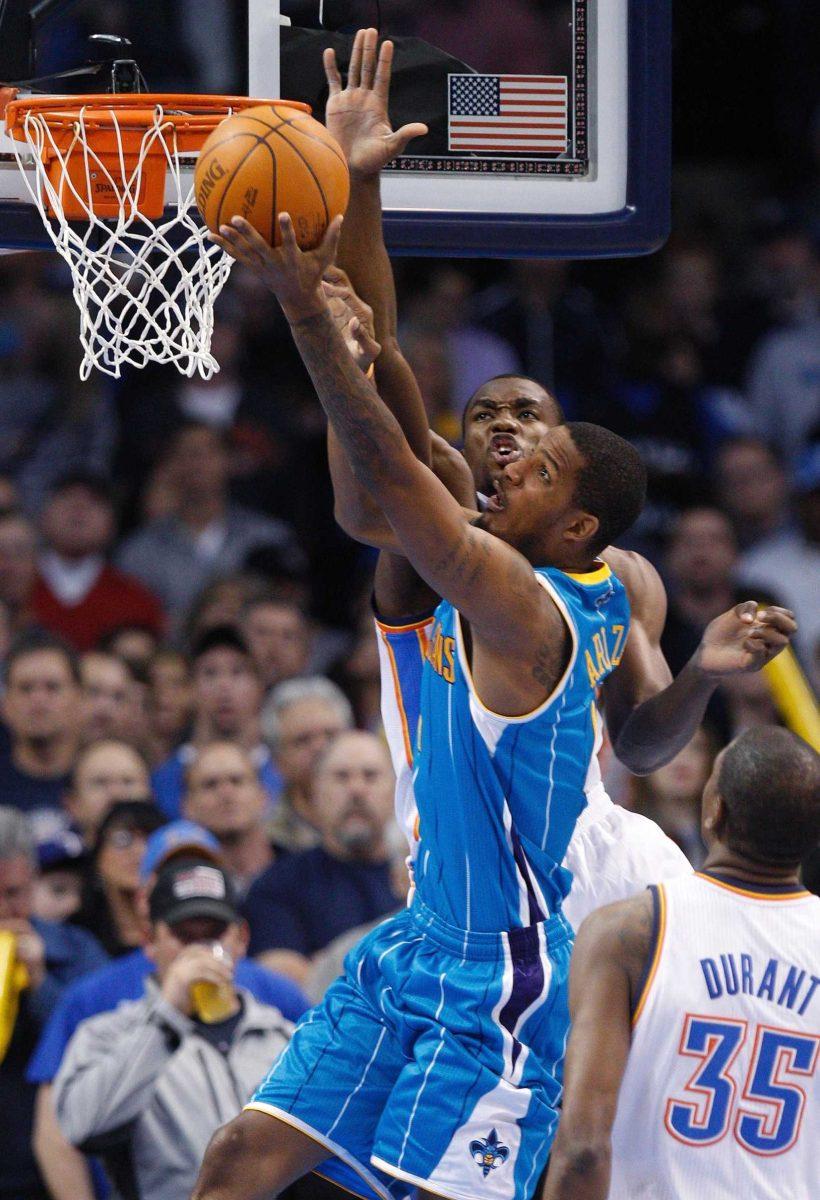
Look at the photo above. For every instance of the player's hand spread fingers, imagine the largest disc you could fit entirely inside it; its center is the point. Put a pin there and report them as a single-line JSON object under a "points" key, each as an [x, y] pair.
{"points": [[332, 75], [354, 70], [368, 68], [384, 68]]}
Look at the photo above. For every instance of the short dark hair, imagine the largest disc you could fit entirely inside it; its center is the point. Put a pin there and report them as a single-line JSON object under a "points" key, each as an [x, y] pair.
{"points": [[35, 641], [219, 637], [612, 483], [557, 410], [95, 482], [769, 781]]}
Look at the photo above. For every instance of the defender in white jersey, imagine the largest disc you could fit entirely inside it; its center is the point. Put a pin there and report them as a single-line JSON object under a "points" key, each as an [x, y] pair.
{"points": [[696, 1007]]}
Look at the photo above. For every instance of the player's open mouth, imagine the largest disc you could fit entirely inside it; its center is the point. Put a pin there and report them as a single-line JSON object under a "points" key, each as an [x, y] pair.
{"points": [[504, 449]]}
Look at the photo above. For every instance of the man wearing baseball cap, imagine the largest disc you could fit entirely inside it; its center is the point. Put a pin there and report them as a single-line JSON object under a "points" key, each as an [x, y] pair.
{"points": [[124, 979], [146, 1085]]}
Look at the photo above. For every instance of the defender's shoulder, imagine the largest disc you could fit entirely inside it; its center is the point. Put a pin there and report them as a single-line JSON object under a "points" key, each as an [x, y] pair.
{"points": [[641, 580]]}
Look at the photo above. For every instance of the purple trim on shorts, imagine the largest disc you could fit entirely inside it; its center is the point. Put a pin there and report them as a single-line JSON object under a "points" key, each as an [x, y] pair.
{"points": [[528, 980]]}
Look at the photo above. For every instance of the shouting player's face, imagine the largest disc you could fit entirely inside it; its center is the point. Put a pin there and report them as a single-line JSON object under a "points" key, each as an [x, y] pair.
{"points": [[505, 420], [532, 505]]}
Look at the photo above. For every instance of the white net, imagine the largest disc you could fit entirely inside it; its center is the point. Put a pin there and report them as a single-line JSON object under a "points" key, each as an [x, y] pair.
{"points": [[145, 289]]}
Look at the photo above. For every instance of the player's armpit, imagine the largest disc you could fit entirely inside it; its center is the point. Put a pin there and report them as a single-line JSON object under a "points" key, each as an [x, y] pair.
{"points": [[610, 952]]}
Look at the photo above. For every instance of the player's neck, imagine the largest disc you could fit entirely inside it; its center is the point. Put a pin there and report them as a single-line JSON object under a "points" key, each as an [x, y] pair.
{"points": [[722, 861]]}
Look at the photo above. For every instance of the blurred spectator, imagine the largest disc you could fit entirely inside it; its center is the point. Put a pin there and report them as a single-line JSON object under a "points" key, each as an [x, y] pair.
{"points": [[62, 865], [475, 354], [9, 496], [170, 703], [302, 902], [278, 635], [208, 535], [109, 703], [300, 719], [701, 561], [790, 563], [6, 634], [671, 796], [358, 673], [110, 908], [558, 329], [147, 1085], [227, 702], [50, 421], [223, 795], [747, 700], [78, 595], [102, 990], [41, 709], [18, 566], [104, 772], [427, 353], [784, 384], [53, 955], [134, 644], [220, 603], [752, 490]]}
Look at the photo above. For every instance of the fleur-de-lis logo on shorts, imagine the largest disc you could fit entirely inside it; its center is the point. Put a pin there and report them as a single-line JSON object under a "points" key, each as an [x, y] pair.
{"points": [[489, 1153]]}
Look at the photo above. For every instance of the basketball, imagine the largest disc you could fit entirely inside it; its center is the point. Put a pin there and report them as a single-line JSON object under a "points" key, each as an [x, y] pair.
{"points": [[270, 159]]}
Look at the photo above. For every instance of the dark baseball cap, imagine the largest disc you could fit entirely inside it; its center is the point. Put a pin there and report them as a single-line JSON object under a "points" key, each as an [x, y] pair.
{"points": [[190, 888]]}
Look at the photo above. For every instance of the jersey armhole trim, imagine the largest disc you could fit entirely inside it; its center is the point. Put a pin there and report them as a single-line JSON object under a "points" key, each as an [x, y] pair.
{"points": [[411, 623], [560, 685], [656, 947], [399, 698]]}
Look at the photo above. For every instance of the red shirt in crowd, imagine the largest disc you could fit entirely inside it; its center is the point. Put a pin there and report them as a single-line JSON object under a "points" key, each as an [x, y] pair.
{"points": [[116, 599]]}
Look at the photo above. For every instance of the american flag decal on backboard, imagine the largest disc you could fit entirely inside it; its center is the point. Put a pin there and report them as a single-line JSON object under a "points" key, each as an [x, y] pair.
{"points": [[508, 114]]}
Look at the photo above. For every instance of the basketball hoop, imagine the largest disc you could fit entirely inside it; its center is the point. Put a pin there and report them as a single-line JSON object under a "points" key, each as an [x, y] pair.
{"points": [[111, 190]]}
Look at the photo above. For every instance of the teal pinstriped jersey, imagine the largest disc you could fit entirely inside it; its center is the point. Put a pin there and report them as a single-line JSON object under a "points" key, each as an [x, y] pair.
{"points": [[498, 797]]}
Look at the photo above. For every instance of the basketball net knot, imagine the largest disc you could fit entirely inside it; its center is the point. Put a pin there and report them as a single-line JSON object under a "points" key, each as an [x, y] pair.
{"points": [[145, 286]]}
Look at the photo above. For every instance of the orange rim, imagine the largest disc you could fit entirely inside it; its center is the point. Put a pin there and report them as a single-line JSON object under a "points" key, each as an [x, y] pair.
{"points": [[114, 129], [194, 116]]}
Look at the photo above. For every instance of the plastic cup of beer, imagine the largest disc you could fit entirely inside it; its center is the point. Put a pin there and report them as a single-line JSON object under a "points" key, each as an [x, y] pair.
{"points": [[214, 1002]]}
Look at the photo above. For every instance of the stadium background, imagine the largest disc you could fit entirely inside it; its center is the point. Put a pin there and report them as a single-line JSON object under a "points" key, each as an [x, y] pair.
{"points": [[706, 355]]}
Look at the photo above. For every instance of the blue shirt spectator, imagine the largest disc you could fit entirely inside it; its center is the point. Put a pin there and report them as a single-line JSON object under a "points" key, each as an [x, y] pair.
{"points": [[168, 780], [304, 901]]}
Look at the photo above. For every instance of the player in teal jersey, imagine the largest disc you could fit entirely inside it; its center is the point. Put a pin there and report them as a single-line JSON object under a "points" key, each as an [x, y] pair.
{"points": [[439, 1028]]}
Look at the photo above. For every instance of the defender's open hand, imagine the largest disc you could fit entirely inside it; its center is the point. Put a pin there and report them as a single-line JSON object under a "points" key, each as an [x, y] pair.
{"points": [[293, 275], [745, 639], [357, 114], [352, 316]]}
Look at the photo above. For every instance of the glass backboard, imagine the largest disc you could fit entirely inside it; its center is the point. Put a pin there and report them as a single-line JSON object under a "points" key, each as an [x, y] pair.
{"points": [[549, 123]]}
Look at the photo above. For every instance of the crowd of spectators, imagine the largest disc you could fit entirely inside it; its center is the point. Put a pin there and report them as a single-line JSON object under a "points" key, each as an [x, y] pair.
{"points": [[192, 766]]}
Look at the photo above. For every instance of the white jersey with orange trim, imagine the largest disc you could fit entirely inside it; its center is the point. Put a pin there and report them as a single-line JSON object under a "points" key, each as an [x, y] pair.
{"points": [[402, 652], [721, 1094], [613, 853]]}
